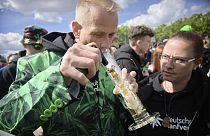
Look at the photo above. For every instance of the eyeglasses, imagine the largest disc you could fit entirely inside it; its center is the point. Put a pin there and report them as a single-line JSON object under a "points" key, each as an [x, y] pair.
{"points": [[176, 60]]}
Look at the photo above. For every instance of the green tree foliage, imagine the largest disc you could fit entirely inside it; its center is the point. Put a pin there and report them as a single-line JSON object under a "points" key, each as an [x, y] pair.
{"points": [[199, 22], [122, 36]]}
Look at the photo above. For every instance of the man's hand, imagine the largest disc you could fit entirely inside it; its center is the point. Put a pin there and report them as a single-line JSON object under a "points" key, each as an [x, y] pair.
{"points": [[80, 57], [130, 78]]}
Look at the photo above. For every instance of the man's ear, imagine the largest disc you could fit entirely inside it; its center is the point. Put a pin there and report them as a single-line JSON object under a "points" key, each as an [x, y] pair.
{"points": [[75, 26], [138, 42]]}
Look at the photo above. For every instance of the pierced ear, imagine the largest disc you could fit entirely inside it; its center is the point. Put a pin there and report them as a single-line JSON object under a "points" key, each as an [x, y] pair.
{"points": [[75, 26]]}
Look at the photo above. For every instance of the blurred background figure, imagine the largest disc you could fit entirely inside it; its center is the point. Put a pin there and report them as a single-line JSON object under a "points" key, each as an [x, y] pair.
{"points": [[133, 56], [32, 43], [11, 57], [163, 40], [155, 63], [206, 40], [32, 39], [2, 61], [205, 66]]}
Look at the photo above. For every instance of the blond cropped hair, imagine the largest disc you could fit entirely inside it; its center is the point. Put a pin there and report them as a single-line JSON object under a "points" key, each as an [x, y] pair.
{"points": [[83, 8]]}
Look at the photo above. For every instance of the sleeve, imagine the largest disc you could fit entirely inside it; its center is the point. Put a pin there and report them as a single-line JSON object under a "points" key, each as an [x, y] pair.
{"points": [[130, 66], [34, 102], [24, 73]]}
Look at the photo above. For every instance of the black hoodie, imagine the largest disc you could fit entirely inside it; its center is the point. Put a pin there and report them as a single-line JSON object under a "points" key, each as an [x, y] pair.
{"points": [[188, 109], [127, 58], [58, 42]]}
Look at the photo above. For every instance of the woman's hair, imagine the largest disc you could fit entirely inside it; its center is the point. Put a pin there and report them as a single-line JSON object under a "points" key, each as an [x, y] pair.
{"points": [[156, 57], [193, 39]]}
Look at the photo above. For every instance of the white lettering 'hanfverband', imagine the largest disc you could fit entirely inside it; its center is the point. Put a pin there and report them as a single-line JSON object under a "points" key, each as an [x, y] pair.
{"points": [[175, 123]]}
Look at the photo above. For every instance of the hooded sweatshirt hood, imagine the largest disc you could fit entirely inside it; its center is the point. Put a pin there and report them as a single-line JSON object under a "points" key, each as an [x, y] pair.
{"points": [[58, 42]]}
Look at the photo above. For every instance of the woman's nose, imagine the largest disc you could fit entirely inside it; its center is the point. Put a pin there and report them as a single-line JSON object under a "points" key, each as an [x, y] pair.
{"points": [[169, 63]]}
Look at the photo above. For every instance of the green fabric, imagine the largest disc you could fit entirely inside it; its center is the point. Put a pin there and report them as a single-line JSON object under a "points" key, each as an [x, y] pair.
{"points": [[39, 84], [186, 28], [32, 36]]}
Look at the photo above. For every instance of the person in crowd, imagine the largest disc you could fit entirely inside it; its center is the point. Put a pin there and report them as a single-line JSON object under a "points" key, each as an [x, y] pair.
{"points": [[206, 40], [32, 39], [180, 92], [163, 40], [66, 89], [3, 61], [132, 57], [11, 57], [155, 64], [32, 43], [205, 66]]}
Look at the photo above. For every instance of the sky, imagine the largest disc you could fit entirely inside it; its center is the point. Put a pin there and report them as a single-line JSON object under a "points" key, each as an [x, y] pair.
{"points": [[56, 15]]}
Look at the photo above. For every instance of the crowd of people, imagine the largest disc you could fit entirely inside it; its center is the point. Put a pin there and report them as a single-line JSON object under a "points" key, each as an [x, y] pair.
{"points": [[59, 84]]}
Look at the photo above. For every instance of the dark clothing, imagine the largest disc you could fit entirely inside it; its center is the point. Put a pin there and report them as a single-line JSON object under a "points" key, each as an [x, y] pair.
{"points": [[58, 42], [188, 110], [206, 60], [7, 76], [127, 58]]}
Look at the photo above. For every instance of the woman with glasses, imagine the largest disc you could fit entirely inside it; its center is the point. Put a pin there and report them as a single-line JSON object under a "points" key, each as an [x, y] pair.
{"points": [[180, 92]]}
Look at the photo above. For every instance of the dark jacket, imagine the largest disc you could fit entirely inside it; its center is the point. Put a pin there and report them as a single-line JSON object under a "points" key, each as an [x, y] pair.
{"points": [[206, 60], [127, 58], [8, 74], [188, 109]]}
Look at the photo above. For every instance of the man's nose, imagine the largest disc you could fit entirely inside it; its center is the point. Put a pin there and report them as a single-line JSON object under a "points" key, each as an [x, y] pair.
{"points": [[106, 43]]}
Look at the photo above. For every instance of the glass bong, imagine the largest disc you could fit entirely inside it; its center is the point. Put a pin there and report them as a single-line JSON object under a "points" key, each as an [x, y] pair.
{"points": [[132, 101]]}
